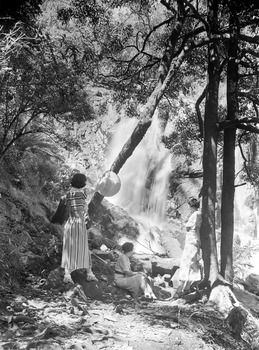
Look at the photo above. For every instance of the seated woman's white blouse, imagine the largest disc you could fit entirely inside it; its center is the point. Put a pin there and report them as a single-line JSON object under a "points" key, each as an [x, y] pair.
{"points": [[122, 264]]}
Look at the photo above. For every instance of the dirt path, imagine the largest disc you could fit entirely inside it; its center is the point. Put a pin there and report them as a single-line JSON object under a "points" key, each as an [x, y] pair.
{"points": [[51, 321]]}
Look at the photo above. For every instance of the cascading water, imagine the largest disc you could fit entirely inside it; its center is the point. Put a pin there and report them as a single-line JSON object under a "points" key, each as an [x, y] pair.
{"points": [[247, 216], [144, 176], [246, 204]]}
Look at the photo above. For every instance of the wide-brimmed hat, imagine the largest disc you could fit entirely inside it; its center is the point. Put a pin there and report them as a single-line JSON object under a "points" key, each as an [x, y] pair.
{"points": [[109, 185], [78, 180]]}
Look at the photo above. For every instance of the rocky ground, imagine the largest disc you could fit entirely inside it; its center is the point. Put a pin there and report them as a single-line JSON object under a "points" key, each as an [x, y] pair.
{"points": [[45, 318]]}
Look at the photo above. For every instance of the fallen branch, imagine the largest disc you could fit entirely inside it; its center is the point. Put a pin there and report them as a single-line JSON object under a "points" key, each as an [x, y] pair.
{"points": [[16, 319]]}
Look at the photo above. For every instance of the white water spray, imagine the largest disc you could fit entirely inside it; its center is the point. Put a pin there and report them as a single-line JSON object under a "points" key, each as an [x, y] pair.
{"points": [[145, 174]]}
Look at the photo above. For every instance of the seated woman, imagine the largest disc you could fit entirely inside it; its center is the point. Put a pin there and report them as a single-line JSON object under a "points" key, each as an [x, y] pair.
{"points": [[133, 282]]}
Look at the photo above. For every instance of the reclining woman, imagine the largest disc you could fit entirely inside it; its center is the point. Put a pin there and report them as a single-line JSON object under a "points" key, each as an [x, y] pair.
{"points": [[125, 278]]}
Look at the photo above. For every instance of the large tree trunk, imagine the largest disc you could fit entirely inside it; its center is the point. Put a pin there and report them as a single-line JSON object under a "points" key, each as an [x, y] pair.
{"points": [[168, 68], [208, 236], [240, 320], [228, 189]]}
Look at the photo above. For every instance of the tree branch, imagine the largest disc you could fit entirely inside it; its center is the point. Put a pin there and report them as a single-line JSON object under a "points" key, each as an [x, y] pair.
{"points": [[168, 6], [249, 96], [238, 123], [250, 39], [198, 111], [250, 128], [197, 15], [250, 52]]}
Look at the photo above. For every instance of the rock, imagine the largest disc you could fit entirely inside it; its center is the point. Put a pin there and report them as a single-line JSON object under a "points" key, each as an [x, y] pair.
{"points": [[243, 325], [91, 288], [248, 299], [252, 283], [55, 280], [112, 222], [43, 344], [165, 266]]}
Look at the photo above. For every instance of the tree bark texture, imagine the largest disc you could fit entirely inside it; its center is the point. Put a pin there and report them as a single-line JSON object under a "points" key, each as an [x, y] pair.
{"points": [[208, 236], [228, 188]]}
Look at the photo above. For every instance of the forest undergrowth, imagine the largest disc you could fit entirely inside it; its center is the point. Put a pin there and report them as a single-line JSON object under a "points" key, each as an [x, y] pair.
{"points": [[35, 318]]}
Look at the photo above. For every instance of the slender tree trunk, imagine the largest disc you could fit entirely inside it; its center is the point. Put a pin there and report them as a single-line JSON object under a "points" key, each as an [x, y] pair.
{"points": [[208, 236], [228, 188]]}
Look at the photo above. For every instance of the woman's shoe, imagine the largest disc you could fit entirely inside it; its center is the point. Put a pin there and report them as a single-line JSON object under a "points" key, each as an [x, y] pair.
{"points": [[68, 279], [91, 277]]}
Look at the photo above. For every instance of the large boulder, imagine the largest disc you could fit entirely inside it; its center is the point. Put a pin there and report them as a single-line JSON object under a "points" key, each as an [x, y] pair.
{"points": [[55, 280], [252, 283], [112, 222]]}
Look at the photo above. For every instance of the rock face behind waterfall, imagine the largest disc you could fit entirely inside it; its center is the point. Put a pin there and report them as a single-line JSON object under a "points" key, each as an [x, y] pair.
{"points": [[145, 175], [112, 225]]}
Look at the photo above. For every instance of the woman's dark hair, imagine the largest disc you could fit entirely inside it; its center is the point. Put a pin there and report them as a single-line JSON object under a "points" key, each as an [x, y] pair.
{"points": [[78, 180], [127, 247], [194, 203]]}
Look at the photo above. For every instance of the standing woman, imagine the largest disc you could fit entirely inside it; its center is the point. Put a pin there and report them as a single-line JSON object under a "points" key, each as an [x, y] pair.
{"points": [[75, 253], [190, 267]]}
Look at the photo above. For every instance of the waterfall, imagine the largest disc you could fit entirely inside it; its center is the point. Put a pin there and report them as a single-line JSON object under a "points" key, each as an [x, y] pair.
{"points": [[246, 204], [145, 174]]}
